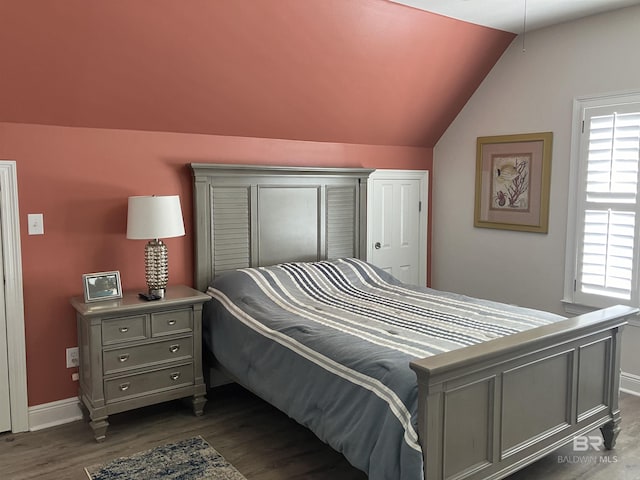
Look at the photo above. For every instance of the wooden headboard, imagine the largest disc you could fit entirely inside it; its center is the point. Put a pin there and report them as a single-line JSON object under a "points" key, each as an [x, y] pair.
{"points": [[249, 216]]}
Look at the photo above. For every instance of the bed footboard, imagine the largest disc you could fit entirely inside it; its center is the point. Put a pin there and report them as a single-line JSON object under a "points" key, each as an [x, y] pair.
{"points": [[488, 410]]}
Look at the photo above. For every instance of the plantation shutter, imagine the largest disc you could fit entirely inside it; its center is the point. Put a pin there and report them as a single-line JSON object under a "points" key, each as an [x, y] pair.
{"points": [[608, 234]]}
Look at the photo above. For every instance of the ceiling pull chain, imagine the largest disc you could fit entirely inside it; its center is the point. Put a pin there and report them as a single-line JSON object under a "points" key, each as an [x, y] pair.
{"points": [[524, 27]]}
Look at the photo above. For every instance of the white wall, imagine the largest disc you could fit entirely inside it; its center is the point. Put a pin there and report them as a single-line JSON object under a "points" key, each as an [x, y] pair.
{"points": [[530, 91]]}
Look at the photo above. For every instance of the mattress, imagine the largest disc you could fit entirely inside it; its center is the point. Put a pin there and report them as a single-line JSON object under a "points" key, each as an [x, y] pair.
{"points": [[329, 343]]}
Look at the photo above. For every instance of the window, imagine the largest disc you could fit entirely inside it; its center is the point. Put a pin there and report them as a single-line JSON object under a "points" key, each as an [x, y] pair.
{"points": [[603, 240]]}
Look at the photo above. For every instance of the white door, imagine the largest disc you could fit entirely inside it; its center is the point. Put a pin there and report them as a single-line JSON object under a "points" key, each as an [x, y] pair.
{"points": [[397, 223], [5, 409], [14, 412]]}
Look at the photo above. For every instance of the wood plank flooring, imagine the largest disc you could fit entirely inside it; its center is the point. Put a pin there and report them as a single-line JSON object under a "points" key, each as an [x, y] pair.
{"points": [[262, 443]]}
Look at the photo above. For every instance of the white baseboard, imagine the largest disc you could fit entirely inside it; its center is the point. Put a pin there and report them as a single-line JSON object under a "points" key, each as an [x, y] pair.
{"points": [[630, 383], [54, 413]]}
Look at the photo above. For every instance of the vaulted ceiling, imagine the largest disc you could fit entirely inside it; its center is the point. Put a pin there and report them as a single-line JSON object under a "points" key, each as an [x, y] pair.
{"points": [[518, 16], [349, 71]]}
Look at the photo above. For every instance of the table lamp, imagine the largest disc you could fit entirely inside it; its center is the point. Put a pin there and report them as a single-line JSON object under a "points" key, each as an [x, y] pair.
{"points": [[153, 218]]}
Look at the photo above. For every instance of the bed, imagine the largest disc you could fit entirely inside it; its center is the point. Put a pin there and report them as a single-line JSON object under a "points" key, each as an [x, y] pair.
{"points": [[276, 243]]}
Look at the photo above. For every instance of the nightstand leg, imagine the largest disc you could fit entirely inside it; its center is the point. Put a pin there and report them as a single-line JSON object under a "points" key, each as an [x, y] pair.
{"points": [[99, 427], [198, 402]]}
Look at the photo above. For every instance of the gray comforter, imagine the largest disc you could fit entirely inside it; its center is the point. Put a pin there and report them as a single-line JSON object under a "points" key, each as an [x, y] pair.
{"points": [[329, 343]]}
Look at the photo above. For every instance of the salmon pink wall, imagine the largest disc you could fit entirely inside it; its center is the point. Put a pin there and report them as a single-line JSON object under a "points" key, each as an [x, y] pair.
{"points": [[347, 71], [80, 178]]}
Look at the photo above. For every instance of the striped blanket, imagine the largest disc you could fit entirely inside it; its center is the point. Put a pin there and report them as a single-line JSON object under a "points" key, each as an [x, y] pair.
{"points": [[330, 343]]}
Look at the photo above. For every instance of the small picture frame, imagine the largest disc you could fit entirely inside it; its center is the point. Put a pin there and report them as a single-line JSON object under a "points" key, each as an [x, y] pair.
{"points": [[101, 286]]}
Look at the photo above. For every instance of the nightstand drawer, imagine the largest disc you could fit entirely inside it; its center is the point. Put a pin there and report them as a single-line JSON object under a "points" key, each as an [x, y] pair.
{"points": [[122, 329], [127, 358], [145, 383], [175, 321]]}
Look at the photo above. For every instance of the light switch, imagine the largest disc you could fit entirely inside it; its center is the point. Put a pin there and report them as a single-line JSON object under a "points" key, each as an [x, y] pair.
{"points": [[36, 224]]}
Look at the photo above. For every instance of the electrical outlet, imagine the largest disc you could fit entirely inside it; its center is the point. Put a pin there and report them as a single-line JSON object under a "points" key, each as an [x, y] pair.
{"points": [[73, 358], [75, 376]]}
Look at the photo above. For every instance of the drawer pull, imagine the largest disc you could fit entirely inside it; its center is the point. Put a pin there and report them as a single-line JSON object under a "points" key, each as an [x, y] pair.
{"points": [[124, 386], [123, 358], [124, 329], [171, 322], [175, 376], [174, 348]]}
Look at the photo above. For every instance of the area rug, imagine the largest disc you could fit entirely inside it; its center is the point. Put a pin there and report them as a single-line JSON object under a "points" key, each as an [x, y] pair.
{"points": [[190, 459]]}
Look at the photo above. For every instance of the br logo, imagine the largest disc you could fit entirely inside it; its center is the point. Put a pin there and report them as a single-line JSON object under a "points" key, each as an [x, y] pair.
{"points": [[585, 443]]}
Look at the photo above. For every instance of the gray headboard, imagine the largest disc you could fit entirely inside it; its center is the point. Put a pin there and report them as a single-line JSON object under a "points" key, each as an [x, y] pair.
{"points": [[248, 216]]}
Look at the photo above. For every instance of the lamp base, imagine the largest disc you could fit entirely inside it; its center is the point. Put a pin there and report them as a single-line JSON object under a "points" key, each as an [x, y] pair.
{"points": [[157, 292], [156, 262]]}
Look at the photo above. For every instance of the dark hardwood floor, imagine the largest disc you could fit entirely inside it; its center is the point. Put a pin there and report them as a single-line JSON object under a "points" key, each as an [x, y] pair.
{"points": [[263, 444]]}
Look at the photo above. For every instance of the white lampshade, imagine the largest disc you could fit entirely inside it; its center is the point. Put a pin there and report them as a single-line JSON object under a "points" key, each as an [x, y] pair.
{"points": [[154, 217]]}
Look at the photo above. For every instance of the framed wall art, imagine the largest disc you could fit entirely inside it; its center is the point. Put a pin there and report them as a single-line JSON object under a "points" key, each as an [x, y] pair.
{"points": [[101, 286], [513, 174]]}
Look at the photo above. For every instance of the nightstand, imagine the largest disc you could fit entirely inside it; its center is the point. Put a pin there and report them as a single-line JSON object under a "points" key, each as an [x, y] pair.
{"points": [[135, 353]]}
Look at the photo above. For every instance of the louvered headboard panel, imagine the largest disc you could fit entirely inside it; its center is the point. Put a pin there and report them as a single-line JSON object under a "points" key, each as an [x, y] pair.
{"points": [[256, 216]]}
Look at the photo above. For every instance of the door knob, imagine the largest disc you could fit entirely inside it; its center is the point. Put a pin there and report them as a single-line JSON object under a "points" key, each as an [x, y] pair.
{"points": [[377, 246]]}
